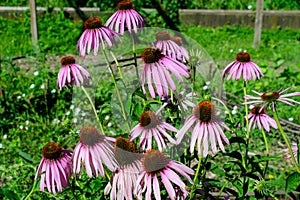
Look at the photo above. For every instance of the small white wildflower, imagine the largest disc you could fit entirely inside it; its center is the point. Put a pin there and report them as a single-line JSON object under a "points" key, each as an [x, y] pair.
{"points": [[5, 136], [226, 112], [75, 120], [235, 107], [231, 51], [72, 107], [26, 122], [68, 113], [83, 114], [205, 87], [106, 117], [251, 106], [109, 124], [249, 7], [26, 128], [18, 97], [233, 112], [21, 127], [31, 86], [23, 95], [218, 113], [76, 112], [56, 121], [291, 119], [36, 73], [53, 91], [245, 50], [1, 146], [207, 83], [240, 49], [78, 131], [42, 86]]}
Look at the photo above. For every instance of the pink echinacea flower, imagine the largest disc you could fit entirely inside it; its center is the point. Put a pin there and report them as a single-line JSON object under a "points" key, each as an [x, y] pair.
{"points": [[158, 171], [242, 67], [206, 127], [125, 18], [96, 35], [54, 168], [157, 70], [124, 179], [71, 73], [91, 151], [259, 118], [151, 127], [271, 98]]}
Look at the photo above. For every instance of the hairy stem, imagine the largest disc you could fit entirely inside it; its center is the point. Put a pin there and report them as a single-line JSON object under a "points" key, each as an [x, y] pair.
{"points": [[286, 140], [94, 109]]}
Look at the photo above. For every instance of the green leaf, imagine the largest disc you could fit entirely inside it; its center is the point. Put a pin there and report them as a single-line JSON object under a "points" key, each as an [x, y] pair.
{"points": [[292, 182], [237, 140], [25, 156]]}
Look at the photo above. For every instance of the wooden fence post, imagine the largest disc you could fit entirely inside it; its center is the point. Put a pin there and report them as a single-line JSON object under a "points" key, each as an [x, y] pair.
{"points": [[258, 22], [33, 24]]}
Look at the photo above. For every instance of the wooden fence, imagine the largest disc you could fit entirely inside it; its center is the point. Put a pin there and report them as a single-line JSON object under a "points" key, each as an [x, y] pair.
{"points": [[213, 18]]}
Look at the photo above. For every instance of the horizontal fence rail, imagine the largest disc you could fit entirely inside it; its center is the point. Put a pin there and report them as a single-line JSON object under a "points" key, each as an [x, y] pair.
{"points": [[206, 18]]}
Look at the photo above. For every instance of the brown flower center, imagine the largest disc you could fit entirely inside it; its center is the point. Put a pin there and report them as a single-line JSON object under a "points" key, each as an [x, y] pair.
{"points": [[52, 151], [164, 35], [177, 40], [255, 110], [89, 135], [125, 5], [92, 23], [243, 57], [68, 60], [270, 96], [205, 111], [153, 161], [125, 151], [148, 119], [151, 55]]}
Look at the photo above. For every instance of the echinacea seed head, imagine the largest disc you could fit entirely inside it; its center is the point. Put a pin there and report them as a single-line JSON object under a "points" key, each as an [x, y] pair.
{"points": [[52, 151], [243, 57], [92, 23], [125, 5], [205, 111], [125, 144], [148, 119], [151, 55], [164, 35], [125, 151], [67, 60], [256, 110], [270, 96], [89, 135], [177, 40], [153, 161]]}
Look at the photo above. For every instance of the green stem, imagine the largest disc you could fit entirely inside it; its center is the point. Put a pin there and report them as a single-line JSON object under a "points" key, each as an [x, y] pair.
{"points": [[117, 63], [226, 108], [135, 59], [266, 141], [94, 109], [267, 151], [116, 85], [195, 177], [225, 184], [247, 133], [31, 191], [286, 140], [246, 109]]}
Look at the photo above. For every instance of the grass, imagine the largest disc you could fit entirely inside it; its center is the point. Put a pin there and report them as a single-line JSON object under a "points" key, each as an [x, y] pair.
{"points": [[33, 116]]}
